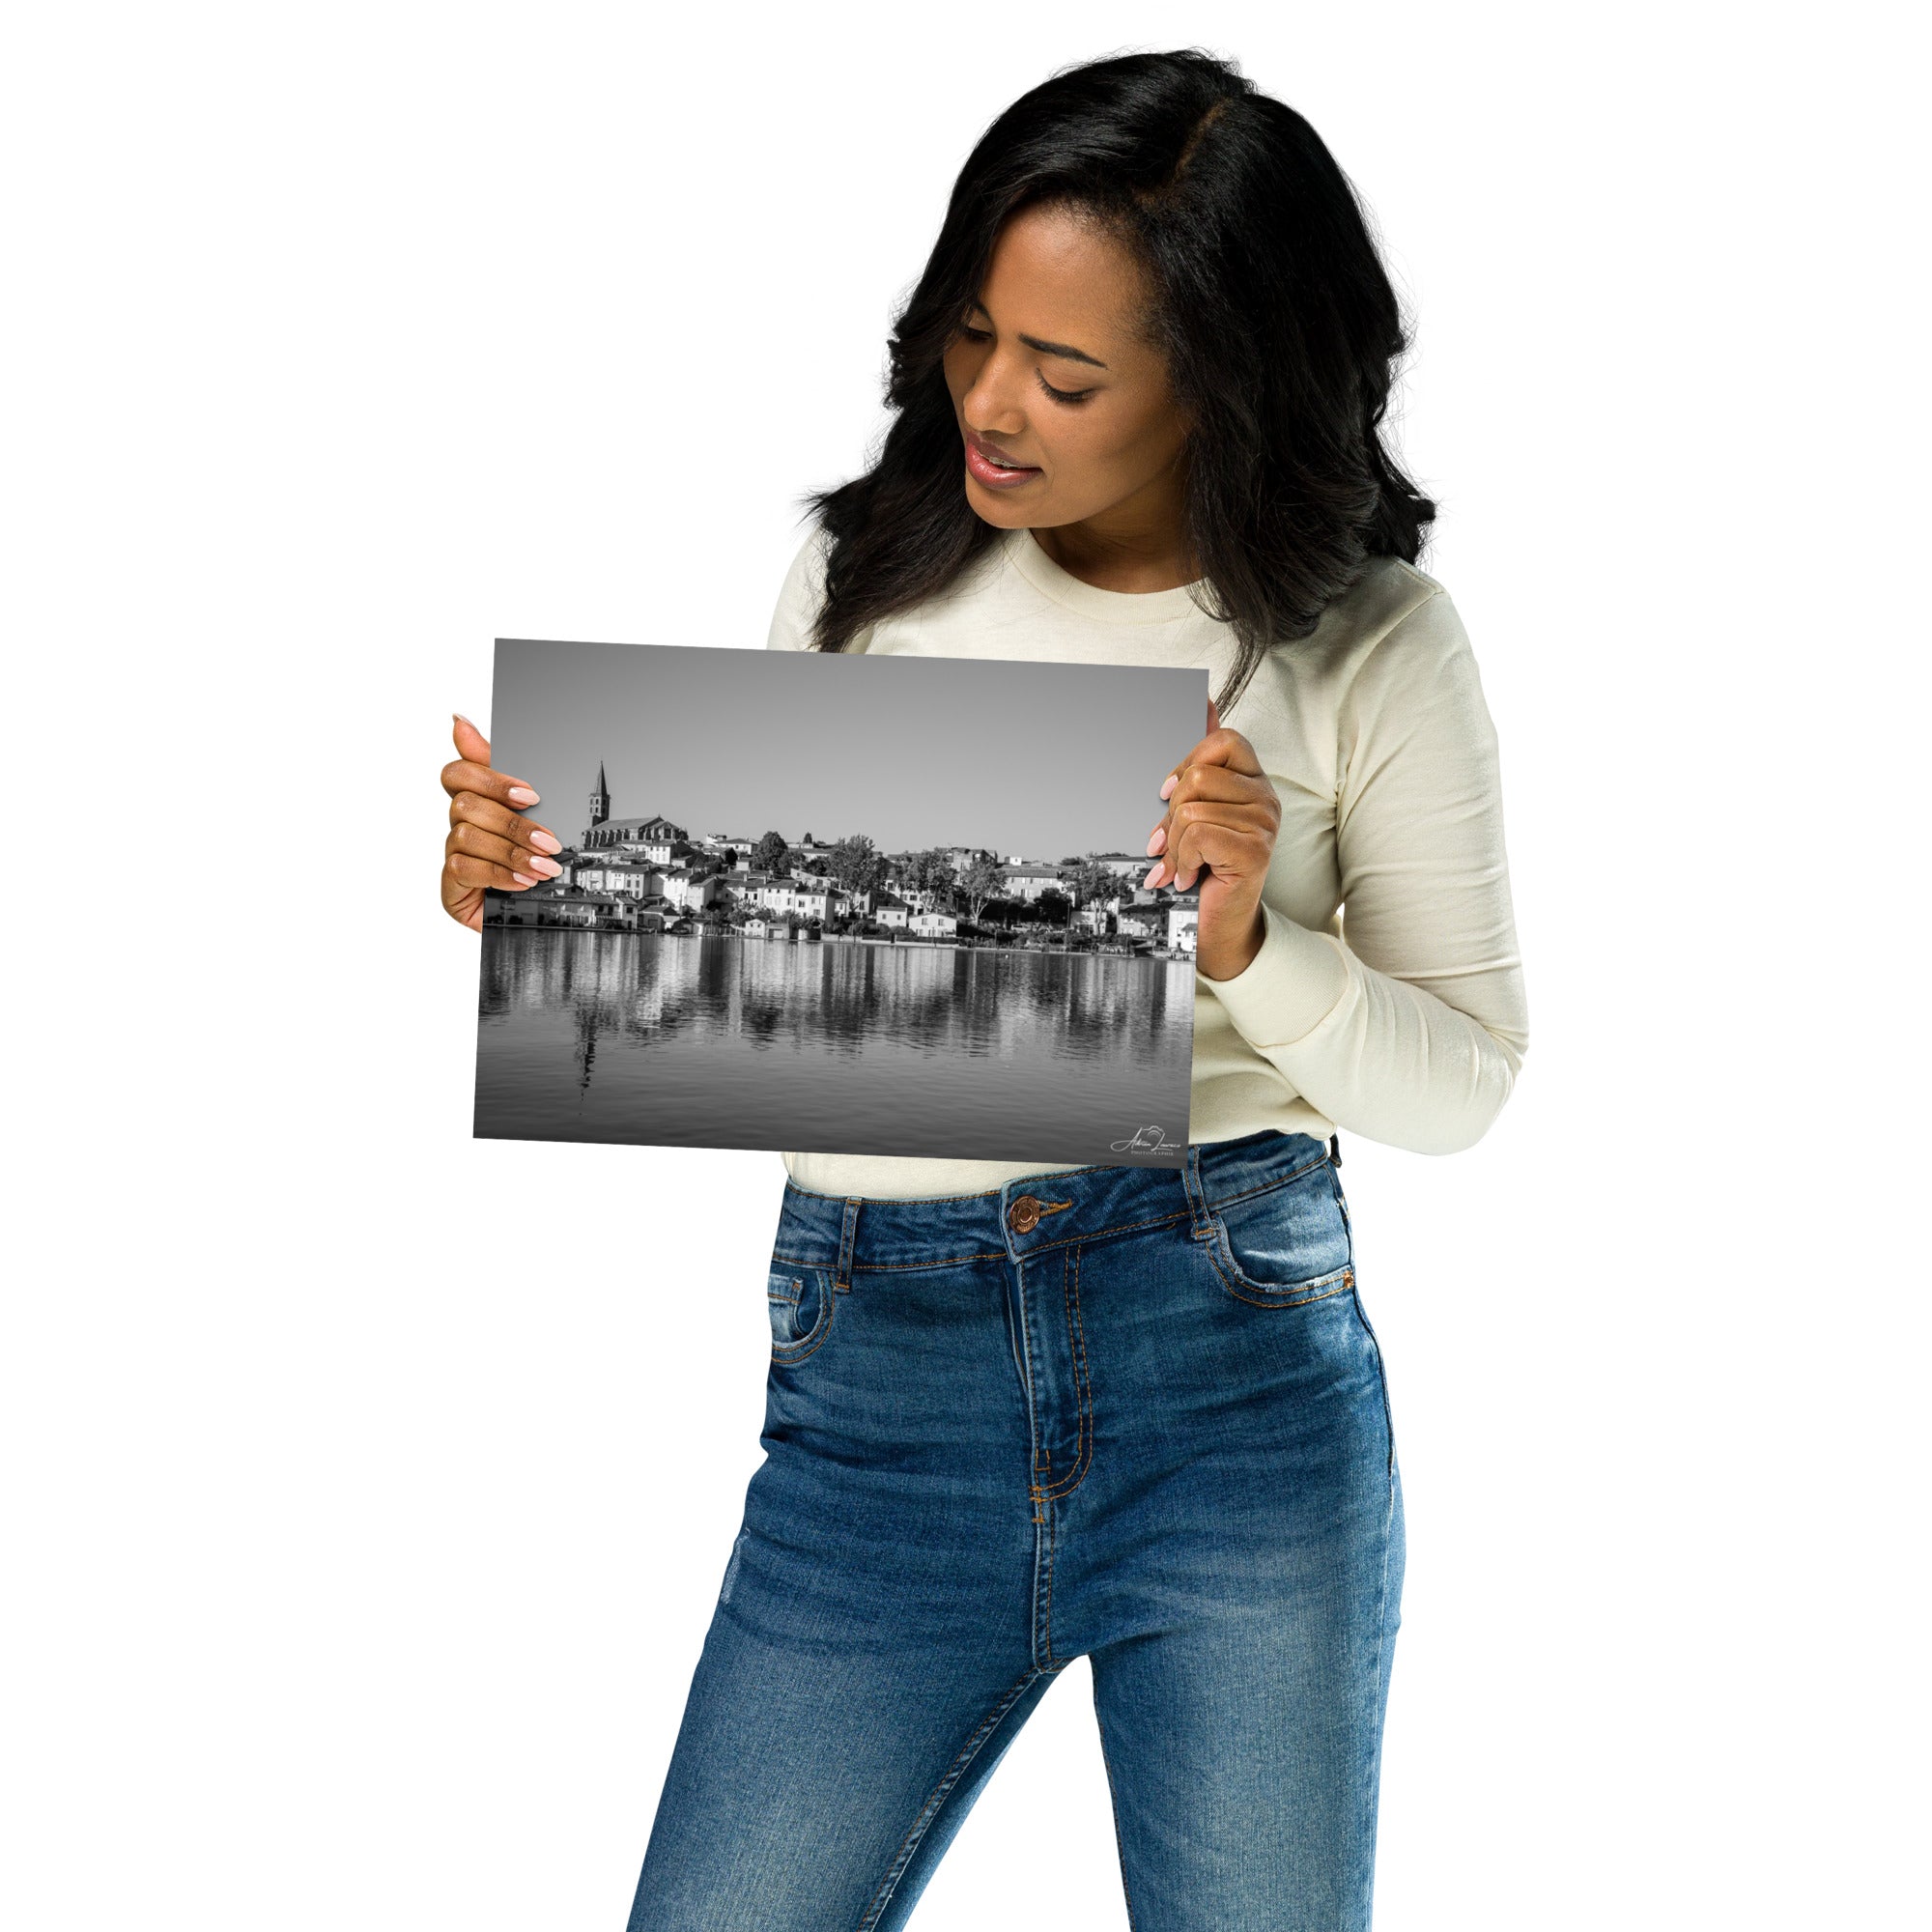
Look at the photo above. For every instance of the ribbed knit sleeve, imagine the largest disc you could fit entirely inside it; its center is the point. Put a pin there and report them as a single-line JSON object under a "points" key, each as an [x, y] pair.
{"points": [[1410, 1026]]}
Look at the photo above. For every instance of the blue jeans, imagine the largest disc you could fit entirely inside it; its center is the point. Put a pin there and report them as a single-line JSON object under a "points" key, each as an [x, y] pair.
{"points": [[1128, 1414]]}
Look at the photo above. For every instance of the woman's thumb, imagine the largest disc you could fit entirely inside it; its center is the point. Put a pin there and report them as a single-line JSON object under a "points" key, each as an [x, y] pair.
{"points": [[470, 743]]}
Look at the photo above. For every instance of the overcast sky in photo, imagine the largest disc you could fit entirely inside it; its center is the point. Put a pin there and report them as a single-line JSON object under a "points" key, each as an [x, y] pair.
{"points": [[1038, 759]]}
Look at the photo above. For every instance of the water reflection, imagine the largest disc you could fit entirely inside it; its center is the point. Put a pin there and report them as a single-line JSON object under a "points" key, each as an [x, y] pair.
{"points": [[744, 1042]]}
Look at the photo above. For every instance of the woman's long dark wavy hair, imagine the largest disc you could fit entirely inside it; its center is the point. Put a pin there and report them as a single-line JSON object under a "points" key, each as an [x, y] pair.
{"points": [[1270, 304]]}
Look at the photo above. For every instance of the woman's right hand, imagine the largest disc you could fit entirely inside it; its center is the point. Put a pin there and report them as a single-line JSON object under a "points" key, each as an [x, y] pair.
{"points": [[489, 842]]}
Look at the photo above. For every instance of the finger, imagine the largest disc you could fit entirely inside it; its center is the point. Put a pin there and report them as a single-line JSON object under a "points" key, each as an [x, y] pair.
{"points": [[463, 903], [470, 743], [1217, 787], [1231, 842], [472, 871], [477, 843], [1217, 782], [1220, 747], [461, 774], [501, 820]]}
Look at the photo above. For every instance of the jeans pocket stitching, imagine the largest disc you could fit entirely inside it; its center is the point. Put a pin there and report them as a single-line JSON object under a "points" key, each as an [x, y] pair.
{"points": [[801, 1346], [1267, 1294]]}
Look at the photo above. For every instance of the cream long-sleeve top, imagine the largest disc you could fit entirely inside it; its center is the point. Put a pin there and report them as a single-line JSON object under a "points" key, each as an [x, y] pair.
{"points": [[1387, 997]]}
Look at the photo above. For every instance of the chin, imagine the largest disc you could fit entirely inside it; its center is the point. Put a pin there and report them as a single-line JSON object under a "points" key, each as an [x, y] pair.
{"points": [[992, 508]]}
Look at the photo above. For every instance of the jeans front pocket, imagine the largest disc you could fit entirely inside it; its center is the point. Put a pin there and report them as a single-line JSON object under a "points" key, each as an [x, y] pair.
{"points": [[1287, 1242], [801, 1300]]}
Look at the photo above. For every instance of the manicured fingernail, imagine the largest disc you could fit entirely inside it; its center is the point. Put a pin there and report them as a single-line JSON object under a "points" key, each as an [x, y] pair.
{"points": [[1158, 840], [522, 878], [522, 795], [1155, 874], [1173, 779], [549, 867], [544, 843], [461, 720]]}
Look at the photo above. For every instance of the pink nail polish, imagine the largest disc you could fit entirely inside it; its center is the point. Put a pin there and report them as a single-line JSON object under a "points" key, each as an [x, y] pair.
{"points": [[1158, 840], [1155, 874], [549, 867], [544, 843], [1173, 779], [522, 878], [522, 795]]}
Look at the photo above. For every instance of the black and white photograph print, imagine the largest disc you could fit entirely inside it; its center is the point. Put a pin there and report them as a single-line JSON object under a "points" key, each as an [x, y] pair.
{"points": [[842, 903]]}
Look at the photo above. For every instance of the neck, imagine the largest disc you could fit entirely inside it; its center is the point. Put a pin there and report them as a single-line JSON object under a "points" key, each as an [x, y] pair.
{"points": [[1123, 549]]}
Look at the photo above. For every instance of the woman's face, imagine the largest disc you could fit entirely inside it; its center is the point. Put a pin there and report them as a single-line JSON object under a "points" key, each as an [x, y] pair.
{"points": [[1055, 315]]}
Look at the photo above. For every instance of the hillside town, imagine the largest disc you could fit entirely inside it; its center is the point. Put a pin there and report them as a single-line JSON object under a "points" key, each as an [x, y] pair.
{"points": [[651, 875]]}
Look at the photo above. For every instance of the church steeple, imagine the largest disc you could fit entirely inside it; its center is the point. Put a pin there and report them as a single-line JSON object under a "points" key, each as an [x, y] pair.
{"points": [[600, 799]]}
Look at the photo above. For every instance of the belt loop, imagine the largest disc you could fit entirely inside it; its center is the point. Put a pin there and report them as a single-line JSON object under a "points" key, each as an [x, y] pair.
{"points": [[841, 1277], [1335, 1150], [1197, 1193]]}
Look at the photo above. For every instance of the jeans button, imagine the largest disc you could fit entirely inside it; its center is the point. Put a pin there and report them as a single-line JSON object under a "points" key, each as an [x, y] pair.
{"points": [[1023, 1216]]}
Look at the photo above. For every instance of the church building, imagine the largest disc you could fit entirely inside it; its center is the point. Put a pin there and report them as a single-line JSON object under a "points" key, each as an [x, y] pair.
{"points": [[658, 836]]}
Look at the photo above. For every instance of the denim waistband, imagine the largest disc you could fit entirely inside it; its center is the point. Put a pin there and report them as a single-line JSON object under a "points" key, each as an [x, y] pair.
{"points": [[1034, 1212]]}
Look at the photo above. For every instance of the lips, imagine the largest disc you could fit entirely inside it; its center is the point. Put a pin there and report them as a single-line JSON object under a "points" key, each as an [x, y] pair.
{"points": [[992, 467], [998, 458]]}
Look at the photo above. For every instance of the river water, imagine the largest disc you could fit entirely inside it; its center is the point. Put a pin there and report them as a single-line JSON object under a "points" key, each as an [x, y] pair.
{"points": [[835, 1048]]}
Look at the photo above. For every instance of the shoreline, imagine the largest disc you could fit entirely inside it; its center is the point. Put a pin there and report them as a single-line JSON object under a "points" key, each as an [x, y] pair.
{"points": [[1165, 956]]}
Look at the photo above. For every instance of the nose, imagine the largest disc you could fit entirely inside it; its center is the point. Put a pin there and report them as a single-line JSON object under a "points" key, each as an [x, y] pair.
{"points": [[990, 405]]}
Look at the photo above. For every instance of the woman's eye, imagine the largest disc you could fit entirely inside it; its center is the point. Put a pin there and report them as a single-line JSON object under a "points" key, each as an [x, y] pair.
{"points": [[1059, 395], [1065, 396]]}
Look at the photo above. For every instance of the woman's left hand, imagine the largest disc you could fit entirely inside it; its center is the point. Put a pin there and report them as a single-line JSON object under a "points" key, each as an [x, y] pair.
{"points": [[1222, 817]]}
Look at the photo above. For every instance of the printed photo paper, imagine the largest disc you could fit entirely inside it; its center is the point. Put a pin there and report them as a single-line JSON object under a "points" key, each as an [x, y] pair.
{"points": [[840, 903]]}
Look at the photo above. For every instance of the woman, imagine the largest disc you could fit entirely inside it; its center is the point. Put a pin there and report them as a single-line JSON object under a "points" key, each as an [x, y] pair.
{"points": [[1020, 1415]]}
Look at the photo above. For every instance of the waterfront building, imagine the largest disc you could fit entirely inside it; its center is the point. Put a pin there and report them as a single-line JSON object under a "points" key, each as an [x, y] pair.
{"points": [[630, 877], [691, 890], [1029, 881]]}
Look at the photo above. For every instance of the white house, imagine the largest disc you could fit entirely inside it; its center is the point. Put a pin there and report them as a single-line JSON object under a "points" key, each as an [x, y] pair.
{"points": [[801, 901], [933, 924], [923, 902], [688, 889], [1183, 924], [625, 876]]}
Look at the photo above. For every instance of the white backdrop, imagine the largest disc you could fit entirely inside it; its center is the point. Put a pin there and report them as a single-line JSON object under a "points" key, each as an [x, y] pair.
{"points": [[368, 1488]]}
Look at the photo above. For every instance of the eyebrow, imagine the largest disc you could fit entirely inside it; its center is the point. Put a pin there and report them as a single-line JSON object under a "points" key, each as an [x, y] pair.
{"points": [[1067, 350]]}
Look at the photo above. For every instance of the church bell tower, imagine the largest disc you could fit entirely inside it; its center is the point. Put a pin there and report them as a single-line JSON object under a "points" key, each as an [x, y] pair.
{"points": [[600, 799]]}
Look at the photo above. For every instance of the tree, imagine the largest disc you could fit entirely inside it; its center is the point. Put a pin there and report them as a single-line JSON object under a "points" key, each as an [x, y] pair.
{"points": [[857, 865], [1090, 880], [770, 853], [930, 874], [982, 880]]}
